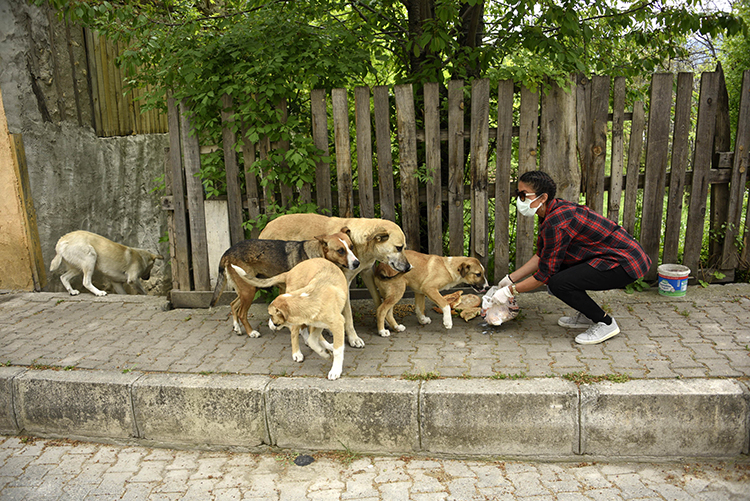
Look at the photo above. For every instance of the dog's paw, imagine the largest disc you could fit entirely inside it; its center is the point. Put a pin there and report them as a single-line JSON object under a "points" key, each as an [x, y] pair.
{"points": [[101, 293], [400, 328], [356, 342], [425, 320], [298, 357], [334, 374], [254, 334], [448, 325], [74, 292], [236, 328], [384, 333]]}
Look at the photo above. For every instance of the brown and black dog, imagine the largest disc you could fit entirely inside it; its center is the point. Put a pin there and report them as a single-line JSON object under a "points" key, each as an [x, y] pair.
{"points": [[267, 258], [316, 294], [428, 276]]}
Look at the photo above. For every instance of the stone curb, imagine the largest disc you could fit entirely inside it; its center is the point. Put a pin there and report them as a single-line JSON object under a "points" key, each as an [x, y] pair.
{"points": [[531, 418]]}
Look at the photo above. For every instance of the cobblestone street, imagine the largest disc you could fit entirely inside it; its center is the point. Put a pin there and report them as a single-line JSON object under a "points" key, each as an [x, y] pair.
{"points": [[33, 469]]}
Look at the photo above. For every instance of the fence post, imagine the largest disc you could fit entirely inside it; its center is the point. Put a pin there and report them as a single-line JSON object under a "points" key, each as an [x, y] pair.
{"points": [[557, 140], [527, 153], [343, 152], [730, 258], [181, 255], [385, 158], [635, 149], [598, 119], [407, 142], [502, 177], [456, 167], [701, 166], [364, 151], [618, 150], [480, 118], [432, 160], [657, 152], [680, 146], [320, 138], [232, 171], [719, 198]]}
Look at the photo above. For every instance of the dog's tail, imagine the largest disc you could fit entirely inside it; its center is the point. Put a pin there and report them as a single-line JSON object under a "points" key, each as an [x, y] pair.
{"points": [[260, 282], [221, 283], [57, 260]]}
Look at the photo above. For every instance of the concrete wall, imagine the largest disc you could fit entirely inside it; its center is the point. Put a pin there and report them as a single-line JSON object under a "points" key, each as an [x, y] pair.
{"points": [[78, 180]]}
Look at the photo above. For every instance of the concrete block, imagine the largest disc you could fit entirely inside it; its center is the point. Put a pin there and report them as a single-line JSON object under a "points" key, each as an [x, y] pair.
{"points": [[76, 403], [536, 417], [695, 417], [201, 410], [365, 415], [8, 424]]}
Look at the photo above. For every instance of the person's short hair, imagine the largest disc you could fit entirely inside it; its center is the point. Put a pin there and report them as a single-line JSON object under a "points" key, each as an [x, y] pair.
{"points": [[541, 182]]}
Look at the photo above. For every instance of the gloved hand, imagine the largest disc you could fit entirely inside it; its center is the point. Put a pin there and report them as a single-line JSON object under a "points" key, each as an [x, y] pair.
{"points": [[505, 282], [503, 295]]}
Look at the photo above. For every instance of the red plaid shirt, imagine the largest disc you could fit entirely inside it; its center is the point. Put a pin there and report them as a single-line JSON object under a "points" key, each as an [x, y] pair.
{"points": [[571, 234]]}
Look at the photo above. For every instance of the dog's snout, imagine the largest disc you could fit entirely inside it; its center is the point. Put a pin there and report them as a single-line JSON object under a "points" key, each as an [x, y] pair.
{"points": [[355, 264]]}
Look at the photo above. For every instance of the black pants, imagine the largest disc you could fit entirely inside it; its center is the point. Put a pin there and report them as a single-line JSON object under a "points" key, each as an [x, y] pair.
{"points": [[570, 286]]}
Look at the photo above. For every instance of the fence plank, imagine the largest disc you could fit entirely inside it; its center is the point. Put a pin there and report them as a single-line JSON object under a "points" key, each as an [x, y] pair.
{"points": [[719, 199], [432, 161], [407, 141], [364, 151], [729, 257], [456, 167], [343, 152], [320, 138], [598, 119], [502, 177], [557, 140], [618, 150], [192, 164], [657, 153], [385, 158], [635, 149], [680, 148], [251, 182], [583, 109], [527, 153], [704, 131], [181, 254], [232, 170], [480, 118]]}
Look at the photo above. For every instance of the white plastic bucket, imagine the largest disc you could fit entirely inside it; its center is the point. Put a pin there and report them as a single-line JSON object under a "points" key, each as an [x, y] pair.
{"points": [[673, 279]]}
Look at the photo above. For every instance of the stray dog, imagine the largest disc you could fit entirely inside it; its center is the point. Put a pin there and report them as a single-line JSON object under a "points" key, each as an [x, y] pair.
{"points": [[86, 252], [373, 239], [428, 276], [267, 258], [316, 294]]}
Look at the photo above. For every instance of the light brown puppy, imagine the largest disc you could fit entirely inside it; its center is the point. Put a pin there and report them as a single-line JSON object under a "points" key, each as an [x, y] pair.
{"points": [[428, 276], [86, 252], [316, 293], [267, 258], [373, 240]]}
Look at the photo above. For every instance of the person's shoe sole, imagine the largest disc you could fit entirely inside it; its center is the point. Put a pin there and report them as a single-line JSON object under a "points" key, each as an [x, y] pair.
{"points": [[573, 326], [601, 340]]}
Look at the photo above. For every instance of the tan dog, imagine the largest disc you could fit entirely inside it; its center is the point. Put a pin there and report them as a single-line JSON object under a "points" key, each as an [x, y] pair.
{"points": [[428, 276], [373, 240], [267, 258], [86, 252], [316, 294]]}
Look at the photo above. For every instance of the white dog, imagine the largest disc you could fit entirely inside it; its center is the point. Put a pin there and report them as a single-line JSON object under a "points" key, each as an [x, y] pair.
{"points": [[85, 252]]}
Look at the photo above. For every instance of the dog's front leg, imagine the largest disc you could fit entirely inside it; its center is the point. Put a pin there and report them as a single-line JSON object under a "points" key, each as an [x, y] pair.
{"points": [[369, 279], [297, 355], [351, 334], [419, 309], [441, 303], [337, 329]]}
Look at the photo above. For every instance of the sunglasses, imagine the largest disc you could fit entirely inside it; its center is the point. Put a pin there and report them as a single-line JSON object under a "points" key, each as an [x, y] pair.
{"points": [[521, 194]]}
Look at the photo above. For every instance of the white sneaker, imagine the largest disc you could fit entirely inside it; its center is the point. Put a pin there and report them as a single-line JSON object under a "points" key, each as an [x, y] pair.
{"points": [[598, 333], [580, 321]]}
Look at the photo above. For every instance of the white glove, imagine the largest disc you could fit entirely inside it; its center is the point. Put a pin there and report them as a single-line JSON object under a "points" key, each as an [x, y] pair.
{"points": [[505, 282], [503, 295]]}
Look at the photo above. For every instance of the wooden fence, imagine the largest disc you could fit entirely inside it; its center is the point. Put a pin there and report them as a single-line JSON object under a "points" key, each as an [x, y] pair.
{"points": [[575, 136]]}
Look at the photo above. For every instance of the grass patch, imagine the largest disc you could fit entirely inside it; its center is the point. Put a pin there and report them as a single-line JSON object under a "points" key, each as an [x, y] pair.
{"points": [[500, 375], [583, 377], [423, 376]]}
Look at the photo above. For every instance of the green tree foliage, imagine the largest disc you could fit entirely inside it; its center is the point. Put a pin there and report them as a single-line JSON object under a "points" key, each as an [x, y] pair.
{"points": [[735, 58], [263, 52]]}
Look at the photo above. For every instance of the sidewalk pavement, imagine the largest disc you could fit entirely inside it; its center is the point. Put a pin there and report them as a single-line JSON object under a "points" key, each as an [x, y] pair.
{"points": [[698, 344]]}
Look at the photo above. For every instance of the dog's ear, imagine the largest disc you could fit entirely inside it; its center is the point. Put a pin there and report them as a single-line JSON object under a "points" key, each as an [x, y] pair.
{"points": [[379, 235], [322, 240], [346, 231], [463, 269]]}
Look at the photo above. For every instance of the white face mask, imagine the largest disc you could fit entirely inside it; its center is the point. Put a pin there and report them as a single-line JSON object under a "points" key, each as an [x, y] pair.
{"points": [[524, 208]]}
